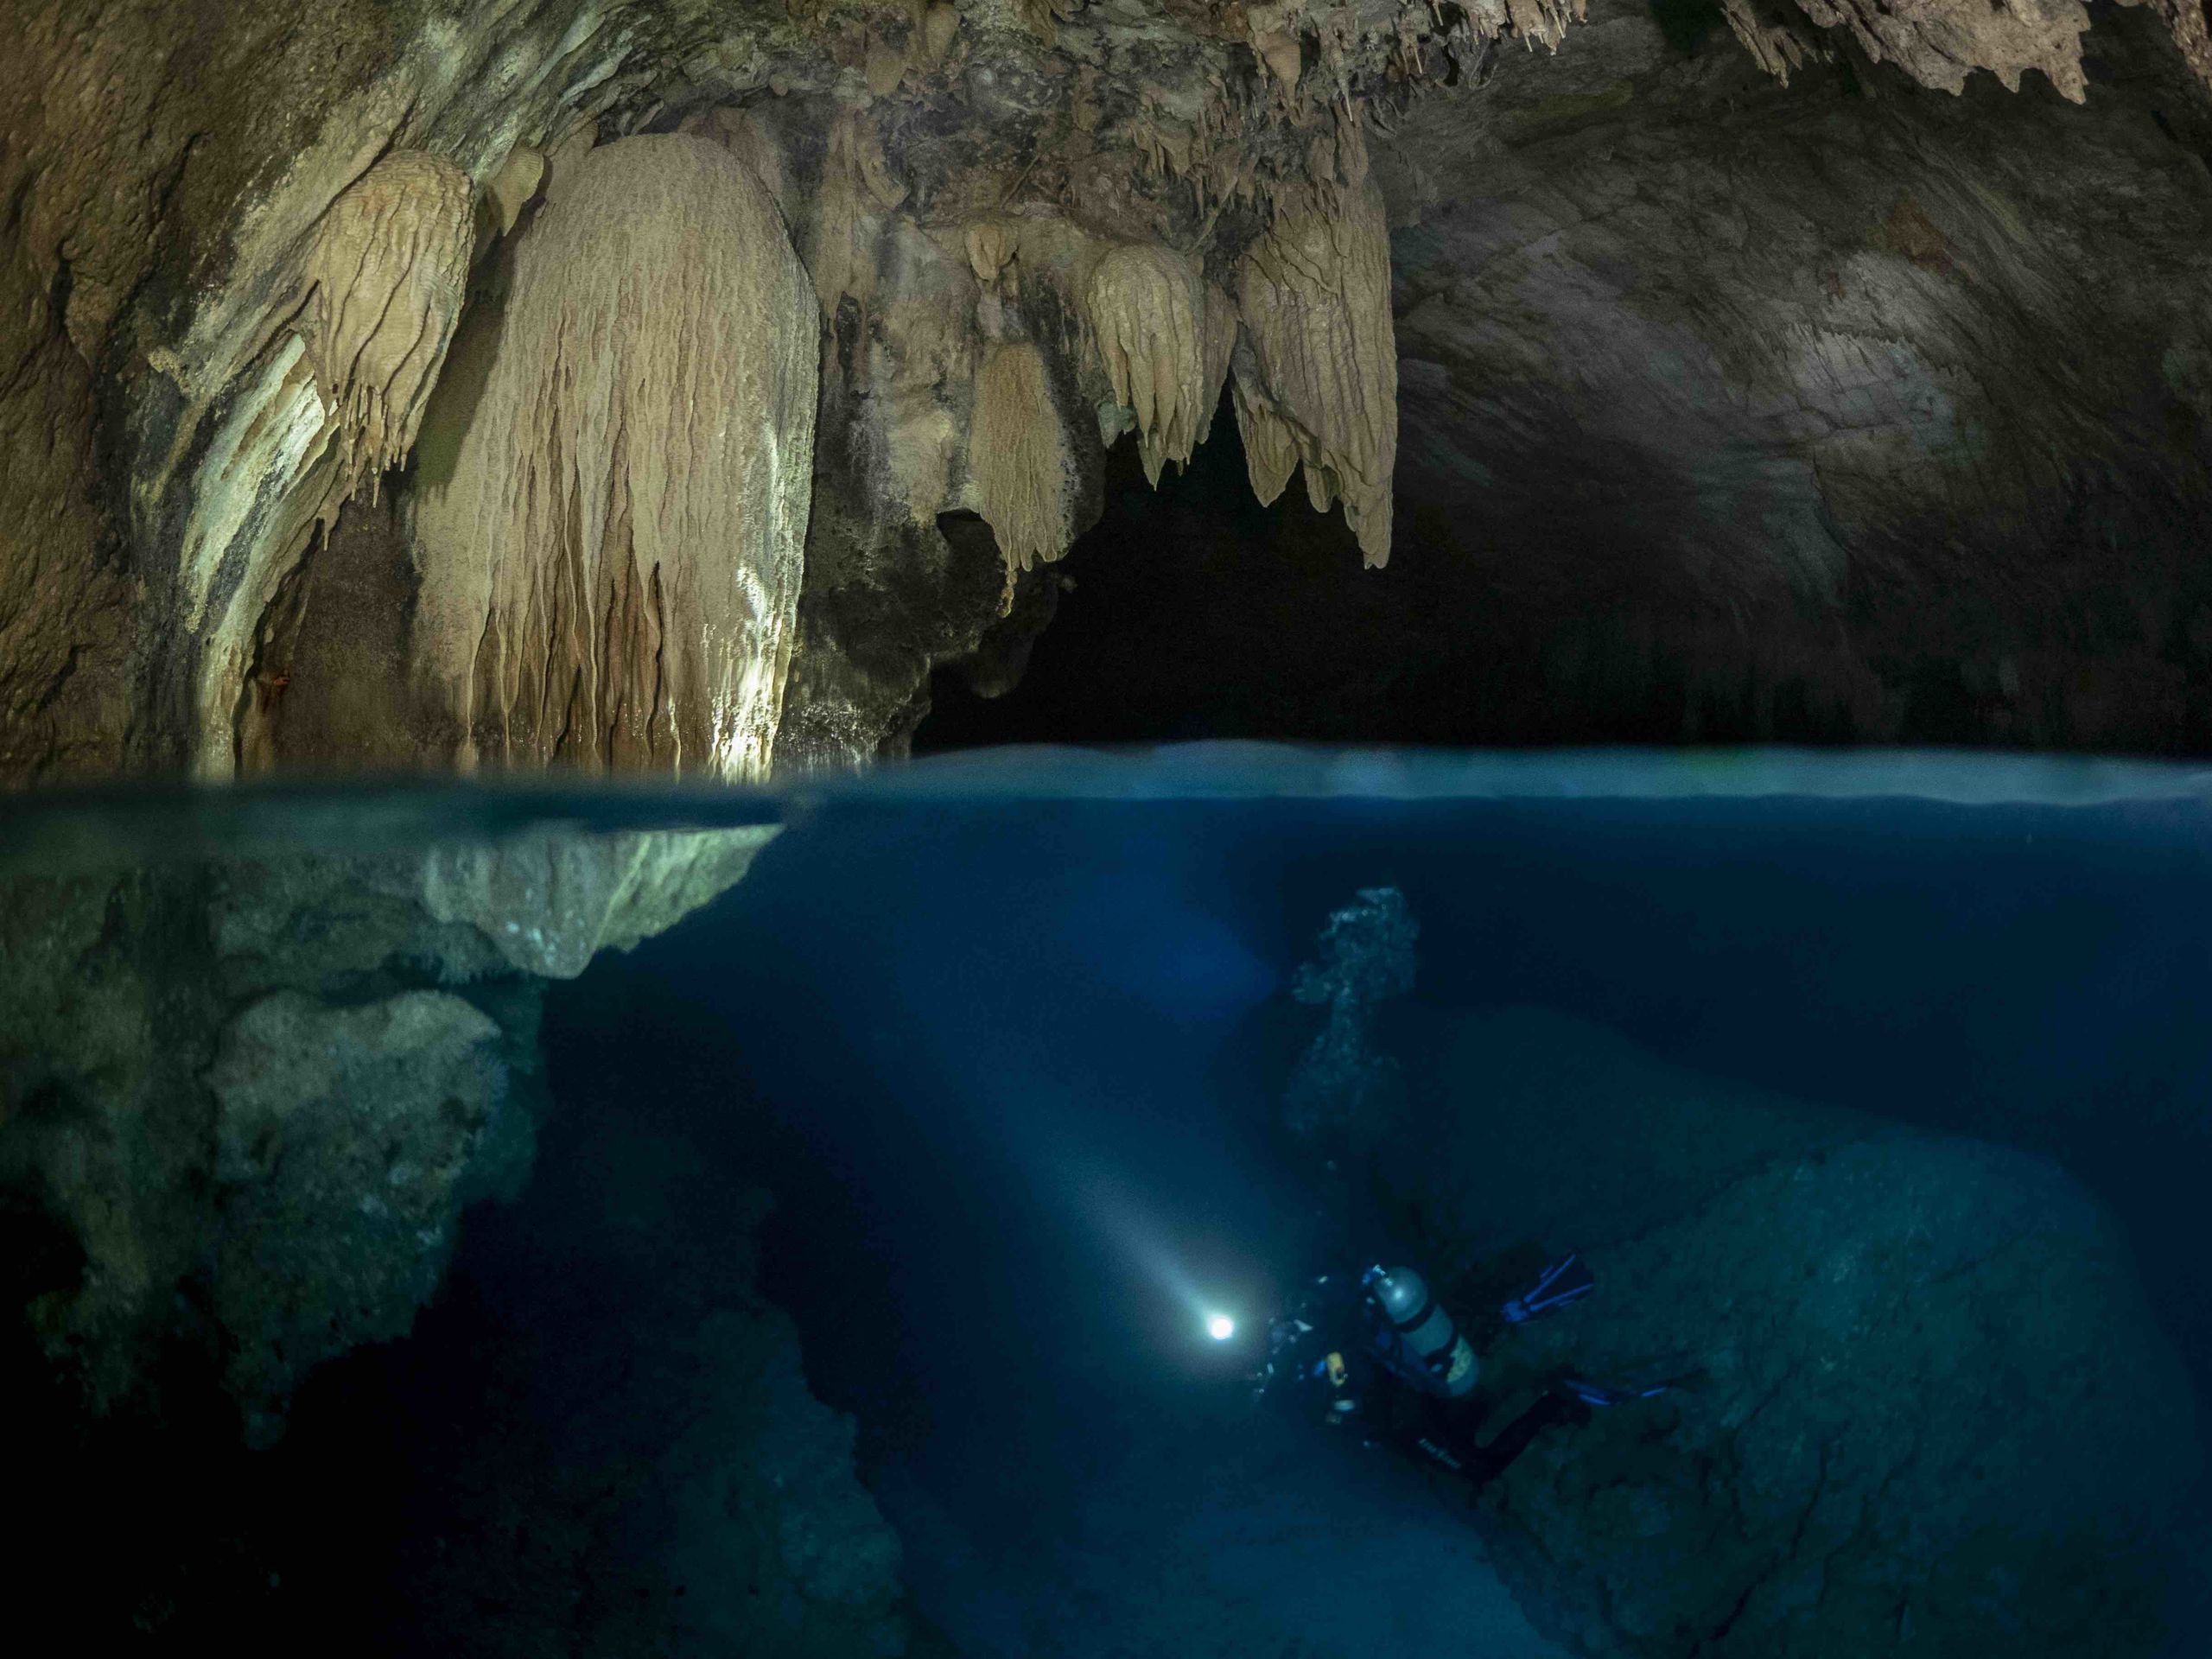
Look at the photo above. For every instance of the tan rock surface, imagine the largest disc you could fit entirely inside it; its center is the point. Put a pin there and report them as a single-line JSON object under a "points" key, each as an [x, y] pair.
{"points": [[611, 570]]}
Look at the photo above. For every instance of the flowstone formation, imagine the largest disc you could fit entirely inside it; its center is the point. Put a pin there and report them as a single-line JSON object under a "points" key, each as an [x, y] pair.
{"points": [[609, 563], [997, 234], [1923, 1405]]}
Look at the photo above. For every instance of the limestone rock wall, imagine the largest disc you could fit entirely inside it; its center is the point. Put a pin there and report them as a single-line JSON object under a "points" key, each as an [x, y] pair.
{"points": [[234, 359], [1841, 413]]}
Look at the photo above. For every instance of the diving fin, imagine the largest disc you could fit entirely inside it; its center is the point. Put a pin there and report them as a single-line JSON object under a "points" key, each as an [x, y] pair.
{"points": [[1639, 1383], [1610, 1394], [1558, 1285]]}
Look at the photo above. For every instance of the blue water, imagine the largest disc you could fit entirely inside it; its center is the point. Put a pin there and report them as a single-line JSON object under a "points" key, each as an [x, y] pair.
{"points": [[1007, 1035]]}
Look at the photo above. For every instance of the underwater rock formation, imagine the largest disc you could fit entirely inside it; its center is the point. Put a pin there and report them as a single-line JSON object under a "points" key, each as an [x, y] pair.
{"points": [[1345, 1084], [645, 1470], [551, 901], [346, 1142], [1925, 1386], [765, 1444], [245, 1102]]}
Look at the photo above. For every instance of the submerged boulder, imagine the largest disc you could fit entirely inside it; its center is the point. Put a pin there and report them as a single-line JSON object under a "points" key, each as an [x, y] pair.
{"points": [[1928, 1409]]}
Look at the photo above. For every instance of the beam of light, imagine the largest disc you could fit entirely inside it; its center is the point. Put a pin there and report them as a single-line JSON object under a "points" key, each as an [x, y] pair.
{"points": [[1053, 1133], [1124, 1222]]}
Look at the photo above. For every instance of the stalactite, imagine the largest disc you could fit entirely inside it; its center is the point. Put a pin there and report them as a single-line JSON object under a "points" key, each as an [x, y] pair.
{"points": [[1220, 346], [992, 244], [1149, 312], [1939, 42], [1019, 459], [1315, 297], [385, 277], [609, 574]]}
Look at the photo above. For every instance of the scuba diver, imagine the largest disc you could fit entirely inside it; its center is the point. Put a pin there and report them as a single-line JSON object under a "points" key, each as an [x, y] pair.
{"points": [[1378, 1354]]}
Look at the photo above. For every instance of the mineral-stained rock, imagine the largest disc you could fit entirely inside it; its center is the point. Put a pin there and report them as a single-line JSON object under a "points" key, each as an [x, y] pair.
{"points": [[1923, 1382]]}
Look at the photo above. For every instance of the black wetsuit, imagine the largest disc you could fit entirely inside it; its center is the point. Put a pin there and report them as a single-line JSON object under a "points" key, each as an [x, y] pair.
{"points": [[1363, 1394]]}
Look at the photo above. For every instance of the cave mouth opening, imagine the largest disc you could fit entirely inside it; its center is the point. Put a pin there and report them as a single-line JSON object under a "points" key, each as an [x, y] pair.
{"points": [[1520, 618], [1190, 610]]}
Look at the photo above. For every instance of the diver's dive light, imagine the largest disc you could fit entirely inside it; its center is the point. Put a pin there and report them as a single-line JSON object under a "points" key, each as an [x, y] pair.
{"points": [[1220, 1326]]}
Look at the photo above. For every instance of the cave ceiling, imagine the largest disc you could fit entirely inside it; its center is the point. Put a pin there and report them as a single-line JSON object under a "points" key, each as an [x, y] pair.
{"points": [[1802, 346]]}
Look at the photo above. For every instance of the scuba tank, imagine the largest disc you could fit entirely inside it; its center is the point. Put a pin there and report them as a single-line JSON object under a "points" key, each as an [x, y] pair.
{"points": [[1421, 1345]]}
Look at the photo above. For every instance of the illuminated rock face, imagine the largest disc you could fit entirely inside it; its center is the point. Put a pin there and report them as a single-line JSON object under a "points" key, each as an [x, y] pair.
{"points": [[609, 572], [1763, 342]]}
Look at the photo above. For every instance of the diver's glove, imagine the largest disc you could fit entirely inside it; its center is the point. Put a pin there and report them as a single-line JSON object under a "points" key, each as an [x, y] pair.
{"points": [[1558, 1285]]}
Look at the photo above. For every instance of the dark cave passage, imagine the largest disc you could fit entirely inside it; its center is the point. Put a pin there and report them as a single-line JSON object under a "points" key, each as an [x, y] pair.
{"points": [[1190, 611]]}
